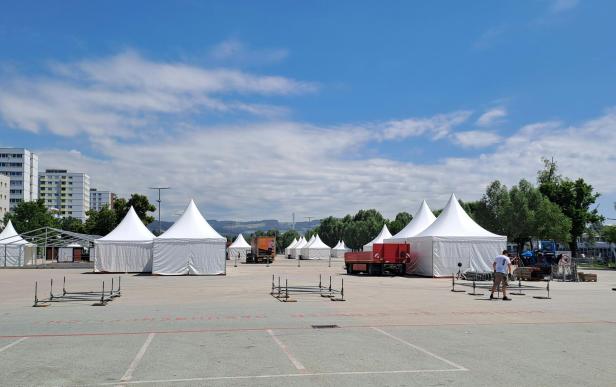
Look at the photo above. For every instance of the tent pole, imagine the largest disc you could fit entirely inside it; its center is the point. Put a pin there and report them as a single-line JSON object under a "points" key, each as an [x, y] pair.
{"points": [[45, 250]]}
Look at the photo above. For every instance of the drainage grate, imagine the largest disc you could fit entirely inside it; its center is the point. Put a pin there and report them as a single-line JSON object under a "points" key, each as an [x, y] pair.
{"points": [[324, 326]]}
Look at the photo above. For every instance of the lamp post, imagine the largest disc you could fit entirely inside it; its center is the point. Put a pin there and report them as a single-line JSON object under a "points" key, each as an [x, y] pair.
{"points": [[159, 201]]}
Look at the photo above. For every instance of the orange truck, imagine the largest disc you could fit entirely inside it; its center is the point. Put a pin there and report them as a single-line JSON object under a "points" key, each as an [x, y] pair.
{"points": [[394, 258], [263, 250]]}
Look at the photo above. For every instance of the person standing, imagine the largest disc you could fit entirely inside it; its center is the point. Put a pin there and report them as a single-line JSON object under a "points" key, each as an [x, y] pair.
{"points": [[502, 268]]}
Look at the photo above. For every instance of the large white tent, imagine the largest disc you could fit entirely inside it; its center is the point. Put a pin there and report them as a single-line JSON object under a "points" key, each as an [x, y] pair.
{"points": [[295, 251], [315, 249], [14, 250], [238, 249], [422, 219], [287, 251], [128, 248], [384, 234], [339, 250], [190, 246], [454, 237]]}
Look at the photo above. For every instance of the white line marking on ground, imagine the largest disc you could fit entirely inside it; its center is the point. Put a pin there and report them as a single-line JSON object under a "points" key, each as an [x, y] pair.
{"points": [[286, 351], [350, 373], [459, 367], [12, 344], [129, 372]]}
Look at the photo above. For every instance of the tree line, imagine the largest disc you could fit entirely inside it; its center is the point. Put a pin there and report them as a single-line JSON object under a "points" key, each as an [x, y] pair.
{"points": [[28, 216]]}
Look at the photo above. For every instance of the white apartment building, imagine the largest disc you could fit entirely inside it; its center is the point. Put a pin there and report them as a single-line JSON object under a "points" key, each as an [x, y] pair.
{"points": [[66, 194], [101, 199], [21, 166], [5, 183]]}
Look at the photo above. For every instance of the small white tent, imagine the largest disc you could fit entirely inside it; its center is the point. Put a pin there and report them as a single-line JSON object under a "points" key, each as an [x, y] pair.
{"points": [[339, 250], [315, 249], [296, 250], [422, 219], [127, 248], [190, 246], [14, 250], [287, 251], [238, 249], [454, 237], [384, 234]]}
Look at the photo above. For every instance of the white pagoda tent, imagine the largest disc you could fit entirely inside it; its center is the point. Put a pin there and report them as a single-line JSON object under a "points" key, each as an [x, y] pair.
{"points": [[287, 250], [339, 250], [190, 246], [295, 251], [127, 248], [454, 237], [316, 249], [14, 250], [422, 219], [238, 249], [384, 234]]}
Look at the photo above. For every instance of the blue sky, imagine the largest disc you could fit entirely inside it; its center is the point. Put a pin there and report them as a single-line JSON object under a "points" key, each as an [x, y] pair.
{"points": [[260, 109]]}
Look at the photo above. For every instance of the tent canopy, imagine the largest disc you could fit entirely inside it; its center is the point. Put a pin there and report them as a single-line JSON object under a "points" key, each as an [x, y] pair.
{"points": [[423, 219], [294, 242], [9, 236], [316, 243], [191, 225], [455, 222], [341, 246], [384, 234], [239, 243], [131, 228]]}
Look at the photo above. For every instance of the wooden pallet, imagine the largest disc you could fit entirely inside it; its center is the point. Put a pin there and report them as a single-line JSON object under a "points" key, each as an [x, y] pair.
{"points": [[587, 277]]}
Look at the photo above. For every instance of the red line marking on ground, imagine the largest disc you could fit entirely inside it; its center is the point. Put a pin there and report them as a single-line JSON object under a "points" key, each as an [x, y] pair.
{"points": [[264, 329]]}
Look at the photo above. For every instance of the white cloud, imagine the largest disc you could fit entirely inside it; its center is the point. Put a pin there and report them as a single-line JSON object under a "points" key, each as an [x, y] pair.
{"points": [[557, 6], [492, 116], [476, 139], [437, 127], [271, 170], [488, 38], [233, 50], [118, 95]]}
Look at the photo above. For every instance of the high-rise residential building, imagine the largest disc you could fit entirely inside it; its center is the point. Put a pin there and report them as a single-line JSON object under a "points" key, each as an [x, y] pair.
{"points": [[67, 194], [101, 199], [5, 183], [21, 166]]}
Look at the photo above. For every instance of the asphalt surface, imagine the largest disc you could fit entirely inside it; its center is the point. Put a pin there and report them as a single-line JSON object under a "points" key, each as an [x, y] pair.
{"points": [[229, 330]]}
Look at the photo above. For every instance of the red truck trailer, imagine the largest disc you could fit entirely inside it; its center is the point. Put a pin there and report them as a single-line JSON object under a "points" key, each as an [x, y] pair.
{"points": [[392, 257]]}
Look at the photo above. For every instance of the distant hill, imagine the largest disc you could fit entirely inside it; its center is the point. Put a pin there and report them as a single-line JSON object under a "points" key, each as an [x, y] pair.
{"points": [[231, 227]]}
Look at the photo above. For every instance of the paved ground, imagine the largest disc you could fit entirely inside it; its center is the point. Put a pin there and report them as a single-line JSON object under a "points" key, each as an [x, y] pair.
{"points": [[229, 331]]}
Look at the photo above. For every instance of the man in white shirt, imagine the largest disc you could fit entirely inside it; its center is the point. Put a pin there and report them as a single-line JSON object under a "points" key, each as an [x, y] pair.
{"points": [[502, 268]]}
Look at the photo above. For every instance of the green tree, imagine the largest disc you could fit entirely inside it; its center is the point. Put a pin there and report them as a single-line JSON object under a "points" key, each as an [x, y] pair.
{"points": [[573, 197], [71, 224], [287, 237], [399, 222], [100, 222], [28, 216], [609, 233], [330, 230], [140, 203]]}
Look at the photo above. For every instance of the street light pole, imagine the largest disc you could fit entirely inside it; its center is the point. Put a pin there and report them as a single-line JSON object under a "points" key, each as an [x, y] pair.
{"points": [[159, 201]]}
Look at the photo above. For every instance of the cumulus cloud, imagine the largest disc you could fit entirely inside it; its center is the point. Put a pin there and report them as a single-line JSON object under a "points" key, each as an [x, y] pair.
{"points": [[236, 51], [118, 95], [492, 116], [271, 170], [476, 139]]}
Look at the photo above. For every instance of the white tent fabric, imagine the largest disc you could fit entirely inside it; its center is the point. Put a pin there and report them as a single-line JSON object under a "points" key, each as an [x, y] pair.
{"points": [[296, 250], [384, 234], [238, 249], [339, 250], [422, 219], [454, 237], [127, 248], [190, 246], [287, 251], [65, 254], [14, 250], [315, 249]]}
